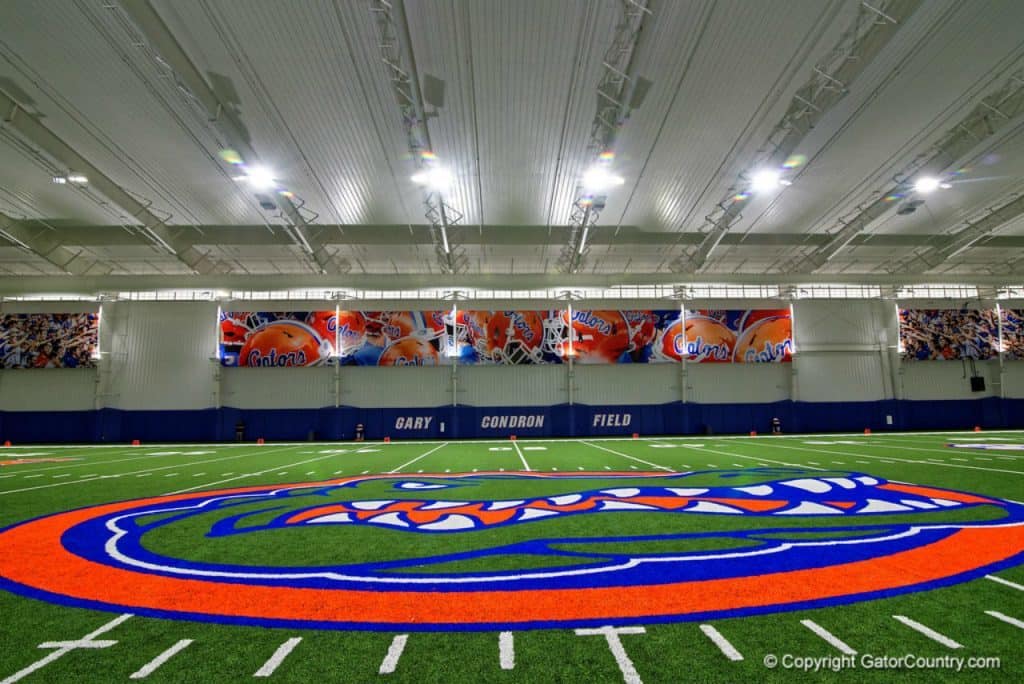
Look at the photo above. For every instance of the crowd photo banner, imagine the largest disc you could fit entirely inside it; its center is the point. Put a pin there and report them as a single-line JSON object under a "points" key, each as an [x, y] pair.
{"points": [[737, 336], [1013, 333], [264, 339], [948, 334], [49, 340], [395, 338]]}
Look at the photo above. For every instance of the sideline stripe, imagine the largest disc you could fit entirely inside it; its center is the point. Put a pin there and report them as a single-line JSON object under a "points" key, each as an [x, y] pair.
{"points": [[632, 458], [279, 655], [526, 466], [891, 459], [134, 472], [506, 651], [60, 652], [1007, 582], [1005, 618], [390, 661], [828, 636], [928, 632], [721, 642], [441, 446], [150, 667]]}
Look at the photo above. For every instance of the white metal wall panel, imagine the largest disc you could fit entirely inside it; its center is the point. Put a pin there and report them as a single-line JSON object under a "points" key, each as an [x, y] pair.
{"points": [[160, 355], [383, 387], [849, 376], [512, 385], [945, 379], [656, 383], [726, 383], [50, 389], [277, 388], [1013, 379], [834, 322]]}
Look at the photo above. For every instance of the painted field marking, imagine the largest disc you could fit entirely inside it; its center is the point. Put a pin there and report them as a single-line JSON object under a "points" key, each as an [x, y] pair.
{"points": [[1008, 583], [151, 667], [580, 468], [506, 651], [499, 448], [927, 631], [1005, 618], [390, 662], [311, 472], [275, 660], [534, 448], [611, 635], [420, 470], [440, 446], [85, 464], [136, 472], [663, 446], [526, 466], [171, 475], [243, 475], [232, 473], [198, 474], [828, 636], [29, 477], [632, 458], [721, 642], [892, 460], [65, 647], [92, 475]]}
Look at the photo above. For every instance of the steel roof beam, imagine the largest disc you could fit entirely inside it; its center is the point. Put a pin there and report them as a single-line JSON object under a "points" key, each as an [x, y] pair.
{"points": [[224, 119], [969, 236], [29, 128], [46, 243], [994, 114], [829, 83]]}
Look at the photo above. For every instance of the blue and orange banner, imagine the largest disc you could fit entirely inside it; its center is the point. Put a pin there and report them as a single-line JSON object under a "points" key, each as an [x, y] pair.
{"points": [[49, 340], [948, 334], [266, 339], [737, 336]]}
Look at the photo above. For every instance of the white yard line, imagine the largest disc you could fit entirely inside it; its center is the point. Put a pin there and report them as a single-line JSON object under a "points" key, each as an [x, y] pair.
{"points": [[890, 459], [440, 446], [256, 474], [611, 635], [506, 651], [390, 661], [1013, 585], [275, 660], [1005, 618], [759, 460], [134, 472], [151, 667], [721, 642], [526, 466], [828, 636], [928, 632], [632, 458], [86, 463], [65, 647]]}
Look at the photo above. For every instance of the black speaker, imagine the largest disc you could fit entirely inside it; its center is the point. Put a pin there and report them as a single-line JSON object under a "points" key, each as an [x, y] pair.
{"points": [[977, 384]]}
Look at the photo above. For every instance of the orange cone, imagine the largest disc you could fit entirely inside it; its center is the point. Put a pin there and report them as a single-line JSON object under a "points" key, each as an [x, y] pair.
{"points": [[136, 442], [512, 437], [7, 443], [387, 440], [259, 441], [636, 435], [753, 433], [977, 428], [867, 431]]}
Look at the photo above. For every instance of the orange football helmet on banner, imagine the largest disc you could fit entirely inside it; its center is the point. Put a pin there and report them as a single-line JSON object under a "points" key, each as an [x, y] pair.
{"points": [[767, 340], [513, 337], [597, 336], [409, 351], [351, 331], [708, 340], [284, 343]]}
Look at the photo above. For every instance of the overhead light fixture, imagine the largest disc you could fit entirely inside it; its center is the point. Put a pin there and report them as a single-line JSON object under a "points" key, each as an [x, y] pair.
{"points": [[73, 178], [598, 178], [927, 184], [434, 177], [766, 180], [259, 177]]}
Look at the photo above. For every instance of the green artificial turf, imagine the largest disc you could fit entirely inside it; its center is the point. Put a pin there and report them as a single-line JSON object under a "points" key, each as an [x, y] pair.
{"points": [[674, 652]]}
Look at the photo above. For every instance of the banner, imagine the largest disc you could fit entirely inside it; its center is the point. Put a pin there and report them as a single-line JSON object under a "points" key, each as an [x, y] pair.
{"points": [[1013, 333], [947, 334], [544, 337], [263, 339], [737, 336], [45, 340], [395, 338]]}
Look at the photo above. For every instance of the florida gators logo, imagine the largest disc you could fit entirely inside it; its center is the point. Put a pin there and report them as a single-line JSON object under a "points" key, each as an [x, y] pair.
{"points": [[513, 550]]}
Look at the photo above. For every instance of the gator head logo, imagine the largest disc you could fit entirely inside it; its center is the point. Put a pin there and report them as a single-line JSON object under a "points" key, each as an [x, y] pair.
{"points": [[489, 550]]}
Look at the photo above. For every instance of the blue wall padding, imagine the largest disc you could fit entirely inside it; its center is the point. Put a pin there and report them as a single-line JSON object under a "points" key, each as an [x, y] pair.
{"points": [[453, 422]]}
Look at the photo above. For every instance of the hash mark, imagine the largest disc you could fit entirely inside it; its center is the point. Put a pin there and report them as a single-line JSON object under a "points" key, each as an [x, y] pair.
{"points": [[150, 667], [279, 655], [390, 661]]}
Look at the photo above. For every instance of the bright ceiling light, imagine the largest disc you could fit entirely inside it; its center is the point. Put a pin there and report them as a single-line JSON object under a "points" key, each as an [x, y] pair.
{"points": [[260, 177], [598, 178], [77, 178], [435, 178], [926, 184], [765, 180]]}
